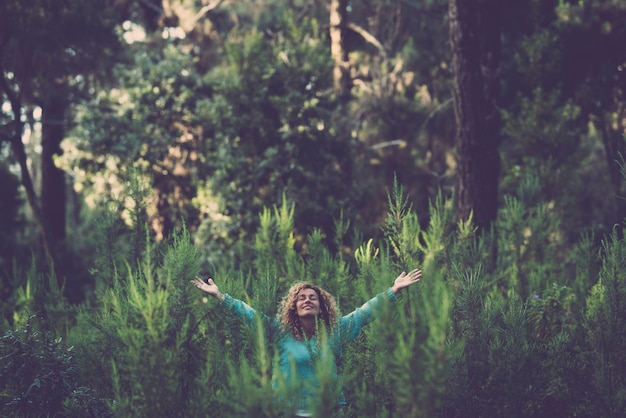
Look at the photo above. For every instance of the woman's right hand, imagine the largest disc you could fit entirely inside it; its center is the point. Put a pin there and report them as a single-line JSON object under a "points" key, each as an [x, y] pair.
{"points": [[208, 287]]}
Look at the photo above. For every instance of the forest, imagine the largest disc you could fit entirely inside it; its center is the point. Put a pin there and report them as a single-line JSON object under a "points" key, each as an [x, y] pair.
{"points": [[145, 143]]}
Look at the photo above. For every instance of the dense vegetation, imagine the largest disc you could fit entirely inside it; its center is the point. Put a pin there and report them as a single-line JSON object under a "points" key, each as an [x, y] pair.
{"points": [[147, 142]]}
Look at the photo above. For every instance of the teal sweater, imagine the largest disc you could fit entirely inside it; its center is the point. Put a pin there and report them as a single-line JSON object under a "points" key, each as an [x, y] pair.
{"points": [[296, 357]]}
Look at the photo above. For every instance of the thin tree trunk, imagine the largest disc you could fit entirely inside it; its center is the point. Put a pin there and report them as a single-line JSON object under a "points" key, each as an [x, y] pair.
{"points": [[53, 188], [20, 155], [342, 81]]}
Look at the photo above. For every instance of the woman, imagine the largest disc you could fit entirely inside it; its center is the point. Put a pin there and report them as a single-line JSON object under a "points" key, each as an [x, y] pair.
{"points": [[302, 314]]}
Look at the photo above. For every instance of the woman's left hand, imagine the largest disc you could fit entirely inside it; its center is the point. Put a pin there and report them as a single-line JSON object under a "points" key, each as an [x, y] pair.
{"points": [[406, 280]]}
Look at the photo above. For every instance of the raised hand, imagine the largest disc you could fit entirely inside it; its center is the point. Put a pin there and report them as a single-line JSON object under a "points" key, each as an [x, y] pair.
{"points": [[208, 287], [406, 280]]}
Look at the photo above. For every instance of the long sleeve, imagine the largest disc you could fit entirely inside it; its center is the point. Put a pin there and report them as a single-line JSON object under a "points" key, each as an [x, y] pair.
{"points": [[241, 309], [350, 326]]}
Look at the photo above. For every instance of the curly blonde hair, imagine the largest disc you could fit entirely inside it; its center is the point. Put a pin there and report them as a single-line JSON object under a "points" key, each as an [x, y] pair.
{"points": [[288, 314]]}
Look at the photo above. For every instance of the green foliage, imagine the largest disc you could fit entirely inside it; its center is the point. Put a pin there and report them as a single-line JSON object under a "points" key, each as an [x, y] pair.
{"points": [[551, 313], [402, 359], [39, 377], [553, 137], [474, 316], [225, 131], [514, 355], [605, 331], [38, 295], [274, 242], [546, 139], [148, 310], [141, 119], [402, 229], [271, 132], [139, 140], [461, 343], [529, 240], [109, 235], [147, 318], [502, 363], [559, 95], [115, 232], [588, 263]]}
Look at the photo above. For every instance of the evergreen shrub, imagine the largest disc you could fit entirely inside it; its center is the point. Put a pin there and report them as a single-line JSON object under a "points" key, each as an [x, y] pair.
{"points": [[38, 377], [469, 340]]}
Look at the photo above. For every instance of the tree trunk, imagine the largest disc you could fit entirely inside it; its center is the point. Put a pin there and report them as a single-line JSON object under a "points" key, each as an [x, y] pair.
{"points": [[53, 191], [489, 170], [17, 146], [342, 81], [475, 43], [615, 154]]}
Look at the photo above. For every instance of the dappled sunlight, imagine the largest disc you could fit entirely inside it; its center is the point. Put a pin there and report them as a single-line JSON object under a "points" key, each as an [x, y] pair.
{"points": [[147, 143], [133, 32], [173, 33]]}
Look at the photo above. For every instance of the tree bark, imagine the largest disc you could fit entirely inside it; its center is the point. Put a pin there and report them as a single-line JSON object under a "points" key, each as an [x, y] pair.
{"points": [[342, 81], [17, 146], [53, 202], [490, 22], [475, 44]]}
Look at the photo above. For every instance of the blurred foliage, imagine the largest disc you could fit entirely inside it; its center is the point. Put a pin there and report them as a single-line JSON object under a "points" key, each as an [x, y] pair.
{"points": [[271, 133], [11, 223], [605, 333], [225, 108], [39, 377], [207, 141], [46, 44], [563, 98]]}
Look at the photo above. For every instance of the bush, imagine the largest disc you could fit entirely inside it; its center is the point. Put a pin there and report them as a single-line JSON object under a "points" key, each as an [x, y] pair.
{"points": [[465, 342], [39, 377]]}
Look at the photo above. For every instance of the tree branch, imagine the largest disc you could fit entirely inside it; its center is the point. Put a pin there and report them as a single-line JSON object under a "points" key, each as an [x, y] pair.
{"points": [[15, 138], [368, 38], [206, 9]]}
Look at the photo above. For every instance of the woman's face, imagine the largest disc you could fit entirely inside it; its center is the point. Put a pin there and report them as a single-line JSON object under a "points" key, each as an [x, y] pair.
{"points": [[308, 303]]}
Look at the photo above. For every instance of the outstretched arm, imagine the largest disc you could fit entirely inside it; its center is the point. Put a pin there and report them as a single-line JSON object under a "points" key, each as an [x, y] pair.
{"points": [[209, 287], [242, 309], [405, 280], [352, 324]]}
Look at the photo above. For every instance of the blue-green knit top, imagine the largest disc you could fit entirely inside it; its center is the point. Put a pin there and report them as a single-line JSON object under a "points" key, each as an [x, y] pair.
{"points": [[297, 364]]}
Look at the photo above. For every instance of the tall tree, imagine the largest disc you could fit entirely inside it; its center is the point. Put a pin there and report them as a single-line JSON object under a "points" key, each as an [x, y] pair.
{"points": [[48, 50], [11, 132], [475, 43], [53, 182]]}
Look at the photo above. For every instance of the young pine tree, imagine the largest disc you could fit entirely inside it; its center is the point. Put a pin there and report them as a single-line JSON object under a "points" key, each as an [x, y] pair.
{"points": [[605, 329]]}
